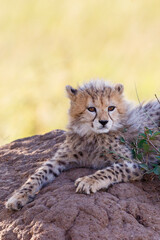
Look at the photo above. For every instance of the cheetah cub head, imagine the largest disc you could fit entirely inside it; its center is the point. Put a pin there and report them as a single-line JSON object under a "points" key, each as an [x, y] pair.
{"points": [[96, 107]]}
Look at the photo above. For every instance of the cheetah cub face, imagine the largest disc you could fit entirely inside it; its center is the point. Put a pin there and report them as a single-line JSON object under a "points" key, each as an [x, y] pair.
{"points": [[96, 107]]}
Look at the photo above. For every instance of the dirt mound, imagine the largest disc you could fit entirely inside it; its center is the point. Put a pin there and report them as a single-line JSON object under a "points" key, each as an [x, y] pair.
{"points": [[125, 211]]}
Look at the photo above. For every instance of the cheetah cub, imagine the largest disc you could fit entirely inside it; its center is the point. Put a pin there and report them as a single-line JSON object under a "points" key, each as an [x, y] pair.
{"points": [[98, 113]]}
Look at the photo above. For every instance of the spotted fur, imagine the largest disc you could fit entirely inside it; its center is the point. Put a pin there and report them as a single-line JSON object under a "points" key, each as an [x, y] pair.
{"points": [[97, 116]]}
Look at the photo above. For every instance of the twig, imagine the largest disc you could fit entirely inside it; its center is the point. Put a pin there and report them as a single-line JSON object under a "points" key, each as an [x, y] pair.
{"points": [[157, 98], [137, 93], [145, 110], [152, 145]]}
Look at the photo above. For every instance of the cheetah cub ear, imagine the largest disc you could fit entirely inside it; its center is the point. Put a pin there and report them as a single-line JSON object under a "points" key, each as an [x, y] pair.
{"points": [[119, 88], [71, 92]]}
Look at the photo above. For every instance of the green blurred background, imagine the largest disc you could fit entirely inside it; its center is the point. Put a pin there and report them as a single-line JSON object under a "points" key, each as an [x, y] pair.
{"points": [[45, 45]]}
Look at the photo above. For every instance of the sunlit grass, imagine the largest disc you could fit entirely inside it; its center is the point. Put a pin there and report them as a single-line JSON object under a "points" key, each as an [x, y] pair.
{"points": [[46, 45]]}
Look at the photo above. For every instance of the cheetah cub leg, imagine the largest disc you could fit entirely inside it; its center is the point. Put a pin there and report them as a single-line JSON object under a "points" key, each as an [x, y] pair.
{"points": [[45, 174], [119, 172]]}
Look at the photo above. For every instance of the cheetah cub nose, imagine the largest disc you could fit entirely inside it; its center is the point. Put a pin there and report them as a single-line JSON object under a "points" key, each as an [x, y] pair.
{"points": [[103, 122]]}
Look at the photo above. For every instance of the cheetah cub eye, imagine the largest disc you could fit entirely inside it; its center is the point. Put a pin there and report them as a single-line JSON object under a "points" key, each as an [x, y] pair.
{"points": [[91, 109], [111, 108]]}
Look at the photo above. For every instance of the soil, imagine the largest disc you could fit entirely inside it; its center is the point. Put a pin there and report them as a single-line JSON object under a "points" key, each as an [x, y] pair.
{"points": [[126, 211]]}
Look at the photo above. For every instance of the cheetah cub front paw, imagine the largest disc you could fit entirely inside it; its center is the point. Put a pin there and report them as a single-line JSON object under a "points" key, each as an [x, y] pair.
{"points": [[17, 201], [87, 185]]}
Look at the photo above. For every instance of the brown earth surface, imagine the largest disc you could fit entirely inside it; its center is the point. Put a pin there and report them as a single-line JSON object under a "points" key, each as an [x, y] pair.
{"points": [[125, 211]]}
